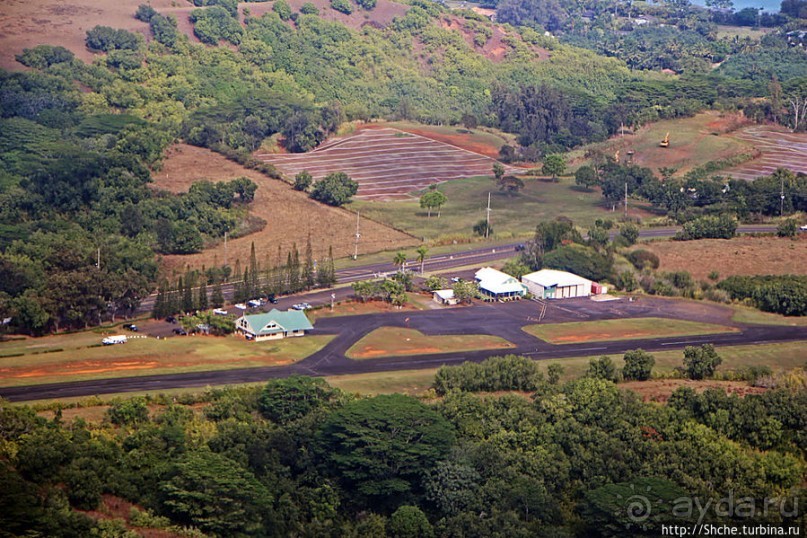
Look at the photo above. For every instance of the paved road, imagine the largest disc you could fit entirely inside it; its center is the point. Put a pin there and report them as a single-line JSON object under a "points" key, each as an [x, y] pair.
{"points": [[444, 262], [504, 320]]}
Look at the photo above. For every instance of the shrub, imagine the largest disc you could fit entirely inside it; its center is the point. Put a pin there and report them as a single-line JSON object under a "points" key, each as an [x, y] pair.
{"points": [[722, 227], [643, 259], [309, 9], [510, 372], [342, 6], [638, 365]]}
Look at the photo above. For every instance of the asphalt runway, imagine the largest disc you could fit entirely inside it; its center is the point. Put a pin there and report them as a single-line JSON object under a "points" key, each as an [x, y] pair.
{"points": [[499, 319]]}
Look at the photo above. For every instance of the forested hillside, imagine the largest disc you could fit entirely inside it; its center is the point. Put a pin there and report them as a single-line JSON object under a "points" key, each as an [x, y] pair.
{"points": [[301, 458]]}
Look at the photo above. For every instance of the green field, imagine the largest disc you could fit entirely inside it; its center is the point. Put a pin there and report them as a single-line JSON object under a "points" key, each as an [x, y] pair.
{"points": [[515, 215], [693, 142], [79, 356], [745, 314], [400, 342], [621, 329]]}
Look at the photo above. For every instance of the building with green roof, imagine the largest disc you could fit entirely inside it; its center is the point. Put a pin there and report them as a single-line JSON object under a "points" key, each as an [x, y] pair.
{"points": [[273, 325]]}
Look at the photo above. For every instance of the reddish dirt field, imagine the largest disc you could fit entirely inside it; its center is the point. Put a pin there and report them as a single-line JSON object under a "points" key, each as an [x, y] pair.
{"points": [[25, 24], [739, 256], [659, 390], [290, 215], [460, 140], [387, 163], [779, 149]]}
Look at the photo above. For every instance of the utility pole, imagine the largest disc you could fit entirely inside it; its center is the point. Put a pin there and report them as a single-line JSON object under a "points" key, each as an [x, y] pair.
{"points": [[626, 199], [782, 197], [98, 258], [358, 235], [225, 249], [487, 218]]}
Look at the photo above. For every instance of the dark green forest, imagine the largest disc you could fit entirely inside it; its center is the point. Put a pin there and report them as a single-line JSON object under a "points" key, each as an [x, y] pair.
{"points": [[300, 458], [79, 141]]}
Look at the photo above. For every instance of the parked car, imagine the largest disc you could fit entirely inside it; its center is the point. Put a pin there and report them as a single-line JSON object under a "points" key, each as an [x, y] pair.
{"points": [[254, 303], [521, 247], [241, 306], [131, 326], [180, 331], [220, 312], [301, 306], [803, 228], [112, 340], [273, 299], [456, 279], [171, 319]]}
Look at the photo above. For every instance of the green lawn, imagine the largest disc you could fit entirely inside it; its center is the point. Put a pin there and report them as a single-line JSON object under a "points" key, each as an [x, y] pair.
{"points": [[400, 342], [785, 356], [745, 314], [515, 215], [621, 329], [79, 356]]}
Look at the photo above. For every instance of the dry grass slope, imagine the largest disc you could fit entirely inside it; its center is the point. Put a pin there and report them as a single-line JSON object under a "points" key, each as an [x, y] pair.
{"points": [[290, 215]]}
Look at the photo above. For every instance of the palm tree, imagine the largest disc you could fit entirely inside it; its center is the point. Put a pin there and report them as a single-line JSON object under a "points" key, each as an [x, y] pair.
{"points": [[400, 260], [422, 250]]}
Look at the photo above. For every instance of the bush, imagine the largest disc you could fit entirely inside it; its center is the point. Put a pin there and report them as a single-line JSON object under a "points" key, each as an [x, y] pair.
{"points": [[145, 12], [701, 362], [580, 260], [510, 372], [309, 9], [366, 4], [643, 259], [638, 365], [342, 6], [283, 9], [104, 38], [482, 228], [630, 233], [722, 227], [787, 228], [128, 412], [603, 368]]}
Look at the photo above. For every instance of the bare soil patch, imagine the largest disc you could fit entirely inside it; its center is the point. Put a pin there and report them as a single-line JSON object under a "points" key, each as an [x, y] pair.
{"points": [[387, 163], [64, 22], [495, 48], [742, 255], [290, 215], [660, 390]]}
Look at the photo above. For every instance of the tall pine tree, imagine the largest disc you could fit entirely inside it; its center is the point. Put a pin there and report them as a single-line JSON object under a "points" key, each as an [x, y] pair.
{"points": [[309, 278], [217, 298]]}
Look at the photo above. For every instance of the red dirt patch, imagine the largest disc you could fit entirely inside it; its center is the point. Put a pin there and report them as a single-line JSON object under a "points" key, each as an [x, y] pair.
{"points": [[495, 49], [289, 215], [660, 390], [116, 508]]}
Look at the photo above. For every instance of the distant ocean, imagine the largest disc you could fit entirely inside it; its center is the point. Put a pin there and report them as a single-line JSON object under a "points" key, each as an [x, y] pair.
{"points": [[767, 5]]}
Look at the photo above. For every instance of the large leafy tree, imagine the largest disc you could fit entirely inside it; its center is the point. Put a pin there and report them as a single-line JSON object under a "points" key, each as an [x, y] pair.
{"points": [[216, 495], [335, 189], [382, 446], [286, 400], [701, 362]]}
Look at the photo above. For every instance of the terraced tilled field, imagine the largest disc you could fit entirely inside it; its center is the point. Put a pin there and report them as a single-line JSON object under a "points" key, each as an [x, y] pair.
{"points": [[387, 163], [779, 150]]}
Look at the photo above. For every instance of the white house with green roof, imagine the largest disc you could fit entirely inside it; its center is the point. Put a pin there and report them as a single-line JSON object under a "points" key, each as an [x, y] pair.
{"points": [[273, 325]]}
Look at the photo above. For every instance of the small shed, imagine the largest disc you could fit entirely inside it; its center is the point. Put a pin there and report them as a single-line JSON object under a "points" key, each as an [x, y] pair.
{"points": [[444, 297], [553, 284]]}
